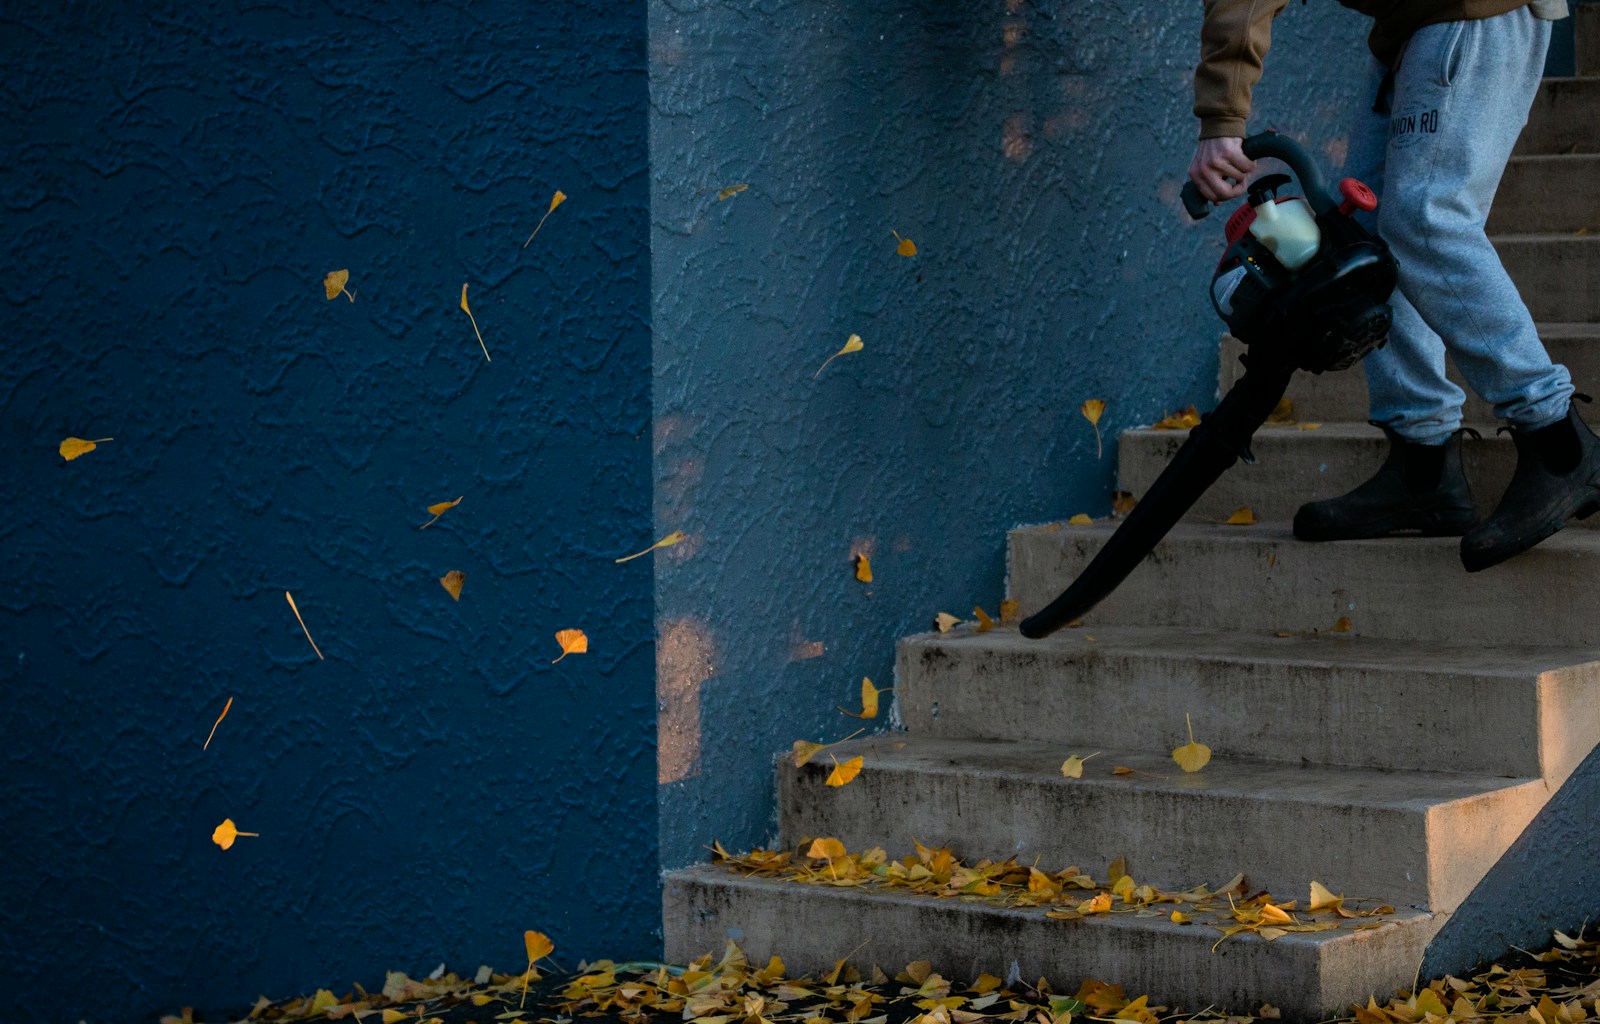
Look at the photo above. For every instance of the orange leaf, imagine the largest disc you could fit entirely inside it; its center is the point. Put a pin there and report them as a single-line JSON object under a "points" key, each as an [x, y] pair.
{"points": [[452, 581], [227, 832], [1009, 610], [1184, 419], [218, 722], [906, 247], [555, 201], [295, 608], [826, 849], [863, 568], [675, 537], [1080, 520], [1242, 516], [1342, 626], [1192, 756], [468, 310], [334, 284], [438, 510], [731, 191], [984, 622], [1122, 770], [842, 774], [538, 944], [1282, 414], [1271, 914], [805, 750], [852, 344], [869, 700], [73, 447], [572, 641], [1091, 410], [1122, 502]]}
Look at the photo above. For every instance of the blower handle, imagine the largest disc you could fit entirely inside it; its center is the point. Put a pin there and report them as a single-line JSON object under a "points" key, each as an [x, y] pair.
{"points": [[1279, 147]]}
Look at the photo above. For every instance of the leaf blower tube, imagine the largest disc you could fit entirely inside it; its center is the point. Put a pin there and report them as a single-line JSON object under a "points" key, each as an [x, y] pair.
{"points": [[1304, 287]]}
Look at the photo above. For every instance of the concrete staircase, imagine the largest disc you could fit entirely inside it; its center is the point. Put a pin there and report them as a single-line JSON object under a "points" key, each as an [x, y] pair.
{"points": [[1397, 760]]}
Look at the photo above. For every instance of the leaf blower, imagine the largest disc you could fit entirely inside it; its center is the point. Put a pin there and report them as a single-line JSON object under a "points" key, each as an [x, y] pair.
{"points": [[1304, 287]]}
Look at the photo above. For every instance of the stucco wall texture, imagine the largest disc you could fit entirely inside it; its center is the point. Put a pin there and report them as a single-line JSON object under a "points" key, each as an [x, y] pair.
{"points": [[1033, 151], [175, 183]]}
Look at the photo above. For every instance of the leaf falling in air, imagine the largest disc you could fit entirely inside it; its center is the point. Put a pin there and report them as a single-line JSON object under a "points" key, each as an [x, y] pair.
{"points": [[452, 581], [1123, 502], [334, 284], [675, 537], [852, 344], [731, 191], [1184, 419], [438, 510], [572, 641], [1192, 756], [944, 621], [539, 946], [844, 773], [468, 310], [73, 447], [218, 722], [227, 832], [984, 622], [1091, 409], [296, 609], [826, 848], [1342, 626], [863, 568], [1010, 610], [869, 699], [805, 750], [906, 247], [1080, 519], [555, 201], [1242, 516], [1072, 767]]}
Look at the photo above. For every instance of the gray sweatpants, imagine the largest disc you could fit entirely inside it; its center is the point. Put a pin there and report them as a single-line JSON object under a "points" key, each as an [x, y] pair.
{"points": [[1435, 157]]}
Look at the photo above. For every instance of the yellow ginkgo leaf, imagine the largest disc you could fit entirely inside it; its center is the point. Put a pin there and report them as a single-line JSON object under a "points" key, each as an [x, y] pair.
{"points": [[334, 284], [296, 609], [944, 621], [984, 622], [468, 310], [538, 944], [1123, 770], [1184, 419], [555, 201], [1309, 426], [805, 750], [852, 344], [438, 510], [73, 447], [906, 247], [1080, 519], [1271, 914], [675, 537], [1072, 767], [1322, 898], [842, 774], [863, 568], [218, 722], [1242, 516], [1342, 626], [1179, 917], [869, 699], [1091, 409], [572, 641], [825, 849], [1123, 502], [1282, 414], [452, 581], [1010, 609], [731, 191], [1100, 904], [227, 832], [1192, 756]]}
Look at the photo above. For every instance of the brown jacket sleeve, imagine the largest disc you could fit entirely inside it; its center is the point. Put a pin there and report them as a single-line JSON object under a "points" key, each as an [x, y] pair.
{"points": [[1234, 40]]}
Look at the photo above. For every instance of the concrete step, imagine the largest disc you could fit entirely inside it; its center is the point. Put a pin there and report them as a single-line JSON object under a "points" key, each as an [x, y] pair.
{"points": [[1558, 275], [1309, 976], [1007, 798], [1586, 38], [1563, 118], [1343, 396], [1294, 466], [1248, 578], [1509, 711], [1548, 194]]}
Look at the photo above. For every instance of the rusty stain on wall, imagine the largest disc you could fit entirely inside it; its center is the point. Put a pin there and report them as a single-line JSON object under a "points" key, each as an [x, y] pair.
{"points": [[685, 658]]}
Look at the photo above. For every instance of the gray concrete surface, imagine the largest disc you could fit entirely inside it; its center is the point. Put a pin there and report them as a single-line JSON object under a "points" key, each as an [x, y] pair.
{"points": [[1511, 711], [1548, 193], [1562, 118], [1556, 274], [1308, 976]]}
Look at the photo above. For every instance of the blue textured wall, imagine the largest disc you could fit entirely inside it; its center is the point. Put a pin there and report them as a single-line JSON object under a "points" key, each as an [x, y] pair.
{"points": [[175, 182], [1033, 151]]}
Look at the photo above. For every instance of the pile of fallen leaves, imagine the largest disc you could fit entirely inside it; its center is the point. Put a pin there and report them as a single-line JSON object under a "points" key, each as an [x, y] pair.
{"points": [[1070, 894], [1558, 986]]}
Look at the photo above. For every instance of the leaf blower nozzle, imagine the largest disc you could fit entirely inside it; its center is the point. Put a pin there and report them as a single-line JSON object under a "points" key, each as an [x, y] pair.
{"points": [[1304, 286]]}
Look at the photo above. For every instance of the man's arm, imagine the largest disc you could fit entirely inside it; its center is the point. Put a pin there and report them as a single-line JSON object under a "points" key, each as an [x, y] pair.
{"points": [[1234, 39]]}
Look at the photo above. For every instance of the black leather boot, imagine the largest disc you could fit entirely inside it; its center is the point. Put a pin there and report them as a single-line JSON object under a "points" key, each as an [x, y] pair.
{"points": [[1557, 479], [1420, 489]]}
